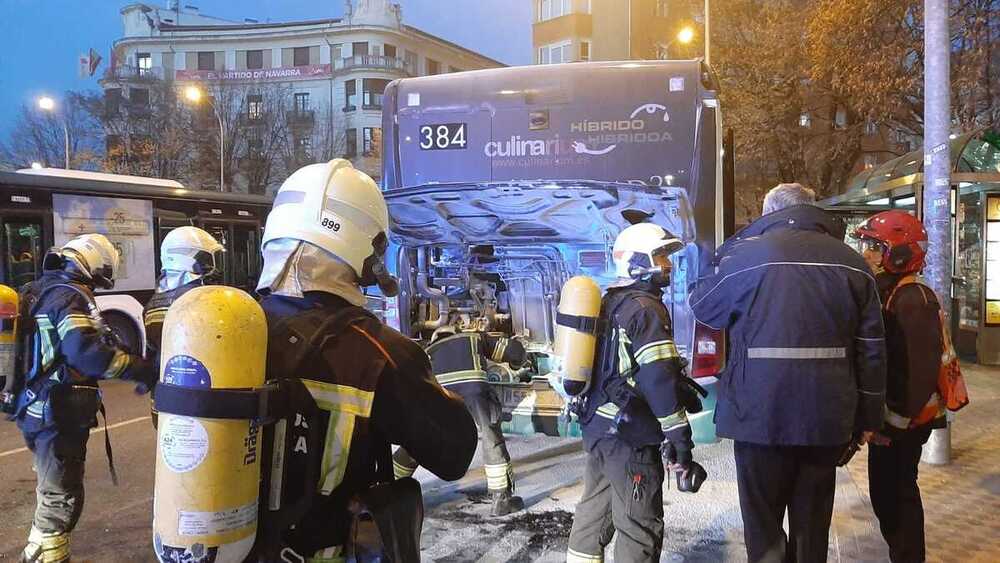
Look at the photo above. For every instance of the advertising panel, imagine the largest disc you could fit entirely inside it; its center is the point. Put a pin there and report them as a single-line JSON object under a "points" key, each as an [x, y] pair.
{"points": [[128, 223]]}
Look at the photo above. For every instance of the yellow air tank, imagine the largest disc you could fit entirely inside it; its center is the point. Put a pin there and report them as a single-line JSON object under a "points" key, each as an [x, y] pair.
{"points": [[576, 329], [208, 469], [8, 346]]}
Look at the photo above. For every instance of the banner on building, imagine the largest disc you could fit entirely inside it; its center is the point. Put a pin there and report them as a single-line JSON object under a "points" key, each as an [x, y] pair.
{"points": [[257, 75], [128, 224]]}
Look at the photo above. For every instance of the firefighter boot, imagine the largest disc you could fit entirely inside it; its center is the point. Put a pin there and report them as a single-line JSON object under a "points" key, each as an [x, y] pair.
{"points": [[46, 547], [504, 503]]}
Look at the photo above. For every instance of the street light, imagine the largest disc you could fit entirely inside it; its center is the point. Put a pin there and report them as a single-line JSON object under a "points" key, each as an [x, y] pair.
{"points": [[46, 103], [194, 95], [685, 35]]}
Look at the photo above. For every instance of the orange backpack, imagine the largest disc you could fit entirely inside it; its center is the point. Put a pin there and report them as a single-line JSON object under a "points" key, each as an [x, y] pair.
{"points": [[952, 393]]}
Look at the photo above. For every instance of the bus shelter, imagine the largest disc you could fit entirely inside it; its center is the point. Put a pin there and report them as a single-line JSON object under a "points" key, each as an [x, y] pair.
{"points": [[975, 222]]}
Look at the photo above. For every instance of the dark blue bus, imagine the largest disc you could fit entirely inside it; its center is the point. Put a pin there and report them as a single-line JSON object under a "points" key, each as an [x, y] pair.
{"points": [[504, 183]]}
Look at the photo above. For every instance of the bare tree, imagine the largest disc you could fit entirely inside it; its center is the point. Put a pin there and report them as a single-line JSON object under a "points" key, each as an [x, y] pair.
{"points": [[38, 136]]}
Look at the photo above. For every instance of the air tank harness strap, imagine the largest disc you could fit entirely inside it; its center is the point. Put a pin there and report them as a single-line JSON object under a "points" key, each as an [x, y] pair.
{"points": [[263, 405], [588, 325]]}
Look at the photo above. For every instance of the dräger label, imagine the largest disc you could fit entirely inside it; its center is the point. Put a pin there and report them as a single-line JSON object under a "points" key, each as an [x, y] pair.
{"points": [[219, 522], [183, 443]]}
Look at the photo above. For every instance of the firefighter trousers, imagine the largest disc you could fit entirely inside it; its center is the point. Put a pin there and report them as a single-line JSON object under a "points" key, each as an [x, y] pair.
{"points": [[59, 458], [486, 409], [799, 479], [622, 492], [892, 483]]}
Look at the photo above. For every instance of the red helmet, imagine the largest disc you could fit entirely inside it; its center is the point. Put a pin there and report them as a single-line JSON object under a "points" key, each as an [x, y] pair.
{"points": [[902, 235]]}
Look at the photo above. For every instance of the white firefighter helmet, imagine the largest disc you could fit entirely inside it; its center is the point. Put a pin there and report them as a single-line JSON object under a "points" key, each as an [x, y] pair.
{"points": [[335, 208], [190, 249], [636, 245], [96, 258]]}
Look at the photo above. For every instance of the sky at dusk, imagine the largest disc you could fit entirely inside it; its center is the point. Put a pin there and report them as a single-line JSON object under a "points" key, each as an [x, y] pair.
{"points": [[40, 40]]}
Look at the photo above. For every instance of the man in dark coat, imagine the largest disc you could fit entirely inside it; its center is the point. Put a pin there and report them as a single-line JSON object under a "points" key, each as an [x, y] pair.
{"points": [[805, 369]]}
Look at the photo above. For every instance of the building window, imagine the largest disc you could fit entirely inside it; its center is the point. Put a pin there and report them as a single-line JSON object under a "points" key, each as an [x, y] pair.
{"points": [[550, 9], [871, 128], [555, 53], [372, 90], [112, 100], [411, 62], [840, 118], [255, 144], [870, 161], [433, 67], [206, 60], [300, 56], [805, 120], [255, 107], [144, 63], [139, 97], [360, 48], [303, 149], [389, 50], [372, 141], [662, 8], [351, 144], [585, 50], [336, 53], [301, 102], [350, 95], [255, 59]]}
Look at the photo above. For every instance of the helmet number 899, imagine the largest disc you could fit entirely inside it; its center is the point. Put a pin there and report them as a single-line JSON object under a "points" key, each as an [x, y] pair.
{"points": [[330, 224]]}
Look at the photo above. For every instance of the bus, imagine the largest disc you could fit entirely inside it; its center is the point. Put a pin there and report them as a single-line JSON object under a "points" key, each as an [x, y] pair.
{"points": [[503, 183], [42, 208]]}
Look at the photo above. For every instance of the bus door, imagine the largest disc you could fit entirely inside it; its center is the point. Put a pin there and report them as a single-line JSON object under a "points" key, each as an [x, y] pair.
{"points": [[22, 237], [242, 260]]}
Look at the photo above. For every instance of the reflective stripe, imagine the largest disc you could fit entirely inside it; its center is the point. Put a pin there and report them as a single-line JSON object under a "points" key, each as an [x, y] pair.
{"points": [[333, 554], [578, 557], [896, 420], [400, 470], [45, 328], [676, 420], [464, 376], [499, 350], [343, 398], [477, 363], [339, 432], [498, 476], [155, 315], [118, 364], [796, 353], [75, 322], [655, 351], [607, 410], [625, 366]]}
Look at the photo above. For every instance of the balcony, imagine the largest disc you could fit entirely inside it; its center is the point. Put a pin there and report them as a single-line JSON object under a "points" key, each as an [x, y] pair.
{"points": [[131, 73], [394, 65], [301, 117], [248, 119]]}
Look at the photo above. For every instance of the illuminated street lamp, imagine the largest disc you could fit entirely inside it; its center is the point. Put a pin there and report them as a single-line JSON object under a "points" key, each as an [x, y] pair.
{"points": [[685, 35], [194, 95], [46, 103]]}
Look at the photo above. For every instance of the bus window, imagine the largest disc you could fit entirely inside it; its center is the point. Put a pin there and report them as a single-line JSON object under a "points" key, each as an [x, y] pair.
{"points": [[221, 233], [23, 247], [246, 256], [163, 226]]}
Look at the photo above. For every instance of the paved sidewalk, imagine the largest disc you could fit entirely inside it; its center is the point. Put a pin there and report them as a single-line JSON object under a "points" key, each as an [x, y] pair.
{"points": [[962, 500]]}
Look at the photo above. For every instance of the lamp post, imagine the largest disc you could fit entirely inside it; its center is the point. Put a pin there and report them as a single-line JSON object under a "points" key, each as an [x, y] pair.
{"points": [[46, 103], [708, 58], [194, 95]]}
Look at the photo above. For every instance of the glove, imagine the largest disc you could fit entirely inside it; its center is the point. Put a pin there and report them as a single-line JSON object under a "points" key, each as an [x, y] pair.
{"points": [[144, 373]]}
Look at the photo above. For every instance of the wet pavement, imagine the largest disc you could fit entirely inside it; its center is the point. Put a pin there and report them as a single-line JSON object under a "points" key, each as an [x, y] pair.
{"points": [[962, 500]]}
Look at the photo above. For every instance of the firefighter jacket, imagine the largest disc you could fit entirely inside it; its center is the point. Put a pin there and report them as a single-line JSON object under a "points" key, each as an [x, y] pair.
{"points": [[461, 358], [914, 344], [638, 350], [155, 312], [374, 388], [805, 361], [73, 350]]}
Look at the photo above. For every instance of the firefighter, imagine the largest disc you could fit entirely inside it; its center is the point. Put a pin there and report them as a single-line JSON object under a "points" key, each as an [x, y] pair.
{"points": [[324, 240], [189, 258], [633, 416], [894, 245], [459, 364], [60, 402]]}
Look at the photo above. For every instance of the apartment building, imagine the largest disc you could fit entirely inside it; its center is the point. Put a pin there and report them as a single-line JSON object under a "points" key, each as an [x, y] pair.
{"points": [[328, 76], [606, 30]]}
